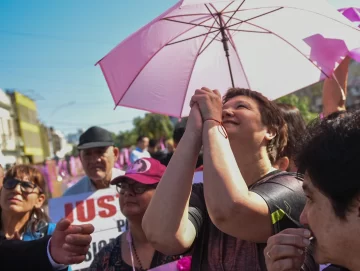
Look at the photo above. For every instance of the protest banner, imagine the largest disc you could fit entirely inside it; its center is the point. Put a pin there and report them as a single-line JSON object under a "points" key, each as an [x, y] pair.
{"points": [[100, 208]]}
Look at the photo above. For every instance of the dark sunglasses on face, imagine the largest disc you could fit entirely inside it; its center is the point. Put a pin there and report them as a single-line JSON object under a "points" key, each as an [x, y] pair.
{"points": [[27, 187], [135, 188]]}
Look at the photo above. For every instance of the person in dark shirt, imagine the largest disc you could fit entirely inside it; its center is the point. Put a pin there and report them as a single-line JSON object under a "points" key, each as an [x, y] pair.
{"points": [[243, 201], [155, 151], [329, 157], [68, 245]]}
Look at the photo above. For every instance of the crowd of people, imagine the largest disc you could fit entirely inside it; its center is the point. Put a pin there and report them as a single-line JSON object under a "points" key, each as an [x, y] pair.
{"points": [[273, 194]]}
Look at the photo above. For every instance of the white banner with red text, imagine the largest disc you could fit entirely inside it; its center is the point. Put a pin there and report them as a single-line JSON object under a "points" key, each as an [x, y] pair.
{"points": [[100, 208]]}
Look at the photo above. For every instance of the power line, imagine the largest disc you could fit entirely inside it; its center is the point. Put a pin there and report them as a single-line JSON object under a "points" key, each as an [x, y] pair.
{"points": [[8, 70], [50, 37], [101, 103], [89, 124]]}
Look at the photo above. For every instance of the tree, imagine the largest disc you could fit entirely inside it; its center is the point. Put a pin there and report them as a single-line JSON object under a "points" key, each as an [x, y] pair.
{"points": [[302, 103], [126, 139], [154, 126], [75, 151]]}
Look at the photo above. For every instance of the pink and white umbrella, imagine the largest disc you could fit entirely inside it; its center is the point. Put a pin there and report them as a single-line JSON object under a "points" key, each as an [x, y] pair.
{"points": [[272, 46]]}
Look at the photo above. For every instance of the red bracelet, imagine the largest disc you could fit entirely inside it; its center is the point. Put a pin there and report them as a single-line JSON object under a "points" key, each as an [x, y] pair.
{"points": [[222, 130]]}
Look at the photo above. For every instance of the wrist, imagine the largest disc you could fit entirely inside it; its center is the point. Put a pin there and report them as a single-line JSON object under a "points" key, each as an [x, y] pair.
{"points": [[210, 124]]}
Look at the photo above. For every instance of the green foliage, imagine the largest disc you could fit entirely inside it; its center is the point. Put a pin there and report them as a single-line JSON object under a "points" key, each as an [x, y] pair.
{"points": [[154, 126], [302, 103], [75, 151]]}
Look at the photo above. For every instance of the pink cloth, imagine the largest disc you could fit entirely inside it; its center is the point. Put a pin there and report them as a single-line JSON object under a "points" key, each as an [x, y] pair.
{"points": [[353, 14], [184, 264]]}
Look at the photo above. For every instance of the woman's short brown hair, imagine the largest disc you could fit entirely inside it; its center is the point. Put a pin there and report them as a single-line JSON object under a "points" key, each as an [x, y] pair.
{"points": [[271, 116]]}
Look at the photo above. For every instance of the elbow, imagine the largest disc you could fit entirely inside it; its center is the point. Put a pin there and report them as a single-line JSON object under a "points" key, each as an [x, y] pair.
{"points": [[224, 215], [151, 230], [166, 244], [152, 234], [220, 217], [161, 240]]}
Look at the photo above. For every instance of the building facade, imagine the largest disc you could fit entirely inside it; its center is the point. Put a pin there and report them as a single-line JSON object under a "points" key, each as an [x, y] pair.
{"points": [[8, 148], [27, 128]]}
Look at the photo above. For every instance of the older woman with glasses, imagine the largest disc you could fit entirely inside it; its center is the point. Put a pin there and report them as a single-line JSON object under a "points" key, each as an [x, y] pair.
{"points": [[21, 199], [131, 251]]}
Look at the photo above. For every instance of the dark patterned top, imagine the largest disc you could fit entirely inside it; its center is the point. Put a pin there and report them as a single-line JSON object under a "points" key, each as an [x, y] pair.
{"points": [[110, 258]]}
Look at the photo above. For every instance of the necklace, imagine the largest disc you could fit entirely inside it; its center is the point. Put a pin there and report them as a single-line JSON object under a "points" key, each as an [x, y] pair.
{"points": [[136, 255]]}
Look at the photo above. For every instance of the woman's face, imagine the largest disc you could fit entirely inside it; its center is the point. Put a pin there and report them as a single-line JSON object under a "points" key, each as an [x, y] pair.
{"points": [[134, 198], [242, 120], [22, 197]]}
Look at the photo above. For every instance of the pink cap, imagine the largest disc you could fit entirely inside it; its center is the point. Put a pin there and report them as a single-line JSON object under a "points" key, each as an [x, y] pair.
{"points": [[144, 170]]}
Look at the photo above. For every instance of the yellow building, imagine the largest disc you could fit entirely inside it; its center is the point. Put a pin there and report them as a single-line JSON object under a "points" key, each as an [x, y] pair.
{"points": [[28, 127]]}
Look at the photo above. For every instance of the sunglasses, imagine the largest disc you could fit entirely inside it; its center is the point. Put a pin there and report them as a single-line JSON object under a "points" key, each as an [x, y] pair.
{"points": [[26, 187], [135, 188]]}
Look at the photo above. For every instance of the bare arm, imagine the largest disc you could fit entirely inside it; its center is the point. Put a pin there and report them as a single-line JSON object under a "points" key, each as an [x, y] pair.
{"points": [[231, 206], [166, 222], [333, 99]]}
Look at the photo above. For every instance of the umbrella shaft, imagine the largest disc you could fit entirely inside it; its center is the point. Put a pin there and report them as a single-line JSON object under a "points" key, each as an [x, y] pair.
{"points": [[225, 42]]}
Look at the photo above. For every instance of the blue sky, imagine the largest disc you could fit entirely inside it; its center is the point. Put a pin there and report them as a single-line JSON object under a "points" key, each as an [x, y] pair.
{"points": [[48, 49]]}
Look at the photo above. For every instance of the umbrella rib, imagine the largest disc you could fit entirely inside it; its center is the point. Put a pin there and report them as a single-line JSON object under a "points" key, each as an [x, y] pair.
{"points": [[186, 15], [202, 50], [212, 15], [237, 10], [358, 29], [205, 14], [205, 34], [241, 30], [292, 46], [258, 16], [143, 67], [202, 44], [223, 8], [190, 74], [214, 38], [250, 31], [200, 24], [223, 12]]}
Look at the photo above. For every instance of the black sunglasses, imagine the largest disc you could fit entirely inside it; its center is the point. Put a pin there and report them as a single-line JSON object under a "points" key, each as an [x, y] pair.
{"points": [[27, 187], [135, 188]]}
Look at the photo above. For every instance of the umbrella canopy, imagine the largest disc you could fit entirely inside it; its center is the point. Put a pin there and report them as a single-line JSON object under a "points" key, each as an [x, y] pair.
{"points": [[275, 47]]}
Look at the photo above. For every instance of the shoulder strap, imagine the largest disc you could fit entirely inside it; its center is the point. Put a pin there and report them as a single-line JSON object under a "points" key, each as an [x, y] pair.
{"points": [[274, 175]]}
